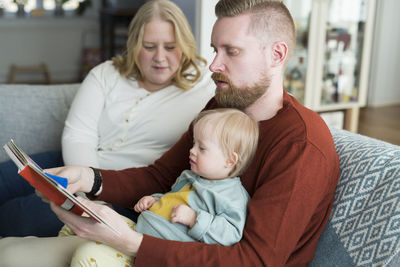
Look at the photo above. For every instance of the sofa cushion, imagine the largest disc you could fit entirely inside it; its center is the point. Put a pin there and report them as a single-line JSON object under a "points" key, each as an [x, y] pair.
{"points": [[364, 226], [34, 115]]}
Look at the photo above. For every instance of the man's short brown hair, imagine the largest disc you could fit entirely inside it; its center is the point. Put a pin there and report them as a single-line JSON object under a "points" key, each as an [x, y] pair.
{"points": [[271, 21]]}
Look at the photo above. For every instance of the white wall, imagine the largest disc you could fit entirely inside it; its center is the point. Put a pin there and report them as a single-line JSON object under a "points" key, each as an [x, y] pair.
{"points": [[384, 85], [57, 42], [205, 19]]}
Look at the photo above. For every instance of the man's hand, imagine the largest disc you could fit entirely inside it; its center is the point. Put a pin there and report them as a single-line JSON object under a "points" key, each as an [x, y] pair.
{"points": [[183, 214], [128, 241], [145, 203]]}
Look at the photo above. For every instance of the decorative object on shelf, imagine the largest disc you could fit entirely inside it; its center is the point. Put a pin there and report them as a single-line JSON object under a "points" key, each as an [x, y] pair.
{"points": [[295, 80], [1, 8], [83, 5], [38, 11], [59, 10], [20, 7]]}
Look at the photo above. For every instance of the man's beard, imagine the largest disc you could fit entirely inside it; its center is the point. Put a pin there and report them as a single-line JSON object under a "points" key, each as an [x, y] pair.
{"points": [[239, 98]]}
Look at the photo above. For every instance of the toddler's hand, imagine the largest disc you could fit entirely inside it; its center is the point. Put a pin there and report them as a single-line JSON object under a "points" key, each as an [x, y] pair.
{"points": [[183, 214], [145, 203]]}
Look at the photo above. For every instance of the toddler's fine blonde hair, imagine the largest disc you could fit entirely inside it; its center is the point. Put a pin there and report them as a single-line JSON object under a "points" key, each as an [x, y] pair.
{"points": [[234, 131]]}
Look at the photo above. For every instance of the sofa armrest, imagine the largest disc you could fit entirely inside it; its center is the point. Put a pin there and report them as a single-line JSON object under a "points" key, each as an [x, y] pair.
{"points": [[34, 115], [364, 226]]}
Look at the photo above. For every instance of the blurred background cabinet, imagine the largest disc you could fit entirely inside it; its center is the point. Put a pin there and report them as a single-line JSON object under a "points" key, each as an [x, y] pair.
{"points": [[330, 66], [115, 16]]}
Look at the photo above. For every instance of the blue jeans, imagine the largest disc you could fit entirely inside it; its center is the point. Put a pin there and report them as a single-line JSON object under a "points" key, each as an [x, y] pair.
{"points": [[22, 213]]}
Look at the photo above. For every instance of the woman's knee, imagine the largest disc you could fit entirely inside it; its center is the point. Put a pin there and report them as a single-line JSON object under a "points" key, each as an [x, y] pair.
{"points": [[8, 256], [35, 252], [17, 252]]}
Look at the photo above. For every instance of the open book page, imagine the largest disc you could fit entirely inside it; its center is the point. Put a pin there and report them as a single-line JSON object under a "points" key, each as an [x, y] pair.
{"points": [[43, 182], [14, 156]]}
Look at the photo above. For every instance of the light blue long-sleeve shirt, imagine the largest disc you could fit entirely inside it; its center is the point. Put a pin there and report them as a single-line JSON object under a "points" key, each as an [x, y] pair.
{"points": [[221, 207]]}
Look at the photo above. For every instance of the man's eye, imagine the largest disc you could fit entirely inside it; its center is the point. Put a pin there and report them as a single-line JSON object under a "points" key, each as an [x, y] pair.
{"points": [[232, 52]]}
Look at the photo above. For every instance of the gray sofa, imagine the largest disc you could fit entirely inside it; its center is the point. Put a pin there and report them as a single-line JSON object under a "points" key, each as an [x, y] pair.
{"points": [[364, 228], [34, 115]]}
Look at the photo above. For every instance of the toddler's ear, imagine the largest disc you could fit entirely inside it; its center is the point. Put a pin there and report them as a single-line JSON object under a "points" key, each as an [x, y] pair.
{"points": [[232, 160]]}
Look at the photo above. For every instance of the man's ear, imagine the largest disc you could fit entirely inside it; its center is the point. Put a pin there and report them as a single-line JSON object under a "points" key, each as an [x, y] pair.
{"points": [[279, 54], [231, 162]]}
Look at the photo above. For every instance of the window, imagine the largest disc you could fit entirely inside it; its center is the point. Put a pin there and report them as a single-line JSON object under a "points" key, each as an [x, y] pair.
{"points": [[10, 6]]}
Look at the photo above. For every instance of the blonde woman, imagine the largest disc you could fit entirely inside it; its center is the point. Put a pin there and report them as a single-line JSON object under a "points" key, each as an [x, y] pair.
{"points": [[127, 113]]}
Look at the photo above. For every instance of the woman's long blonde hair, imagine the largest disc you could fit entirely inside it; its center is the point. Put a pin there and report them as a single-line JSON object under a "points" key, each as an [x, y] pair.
{"points": [[128, 64]]}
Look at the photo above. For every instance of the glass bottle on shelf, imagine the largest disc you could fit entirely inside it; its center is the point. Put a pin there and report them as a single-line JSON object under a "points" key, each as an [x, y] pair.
{"points": [[296, 71], [295, 80], [343, 47]]}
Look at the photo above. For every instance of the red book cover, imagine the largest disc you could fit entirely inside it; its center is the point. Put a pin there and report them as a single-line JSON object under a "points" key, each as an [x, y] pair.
{"points": [[50, 190], [49, 185]]}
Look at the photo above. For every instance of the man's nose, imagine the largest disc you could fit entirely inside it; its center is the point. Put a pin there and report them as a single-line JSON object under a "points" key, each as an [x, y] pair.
{"points": [[217, 65]]}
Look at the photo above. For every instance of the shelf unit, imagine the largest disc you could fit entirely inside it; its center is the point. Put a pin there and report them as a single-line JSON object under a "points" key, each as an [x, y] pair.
{"points": [[330, 67], [114, 24], [115, 17]]}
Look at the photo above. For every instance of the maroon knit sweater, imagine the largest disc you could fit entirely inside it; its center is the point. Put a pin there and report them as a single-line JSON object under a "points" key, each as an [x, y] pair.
{"points": [[291, 182]]}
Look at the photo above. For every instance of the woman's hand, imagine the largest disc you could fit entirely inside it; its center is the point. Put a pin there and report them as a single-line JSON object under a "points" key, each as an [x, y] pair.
{"points": [[145, 203], [79, 178], [128, 241]]}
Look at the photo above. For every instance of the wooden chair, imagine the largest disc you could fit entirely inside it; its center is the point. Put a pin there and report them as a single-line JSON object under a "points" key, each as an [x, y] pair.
{"points": [[29, 74]]}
